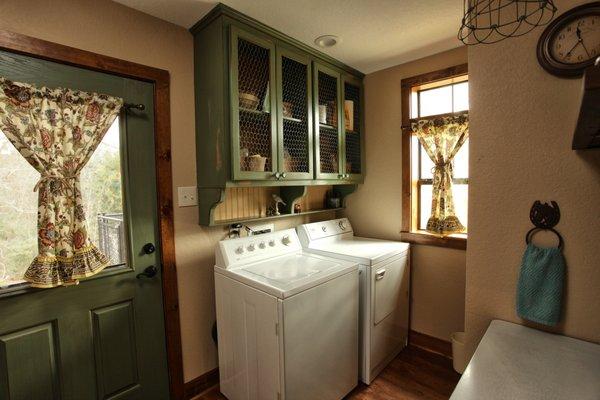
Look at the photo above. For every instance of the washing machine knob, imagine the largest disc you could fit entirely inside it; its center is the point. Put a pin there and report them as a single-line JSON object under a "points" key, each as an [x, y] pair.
{"points": [[251, 247], [262, 245], [286, 240], [272, 243], [342, 225], [240, 250]]}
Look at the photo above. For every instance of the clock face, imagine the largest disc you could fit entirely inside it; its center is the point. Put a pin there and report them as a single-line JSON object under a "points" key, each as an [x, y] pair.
{"points": [[571, 43], [578, 41]]}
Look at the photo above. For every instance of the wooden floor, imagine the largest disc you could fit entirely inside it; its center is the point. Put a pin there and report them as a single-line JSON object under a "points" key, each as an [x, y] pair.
{"points": [[414, 374]]}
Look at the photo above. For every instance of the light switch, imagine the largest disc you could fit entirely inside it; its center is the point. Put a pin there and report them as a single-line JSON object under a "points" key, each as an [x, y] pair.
{"points": [[187, 196]]}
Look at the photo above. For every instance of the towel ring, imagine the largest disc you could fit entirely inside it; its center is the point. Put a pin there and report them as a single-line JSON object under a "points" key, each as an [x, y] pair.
{"points": [[532, 231]]}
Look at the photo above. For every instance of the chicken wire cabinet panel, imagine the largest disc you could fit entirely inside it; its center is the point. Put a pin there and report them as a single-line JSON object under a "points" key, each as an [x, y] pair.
{"points": [[354, 156]]}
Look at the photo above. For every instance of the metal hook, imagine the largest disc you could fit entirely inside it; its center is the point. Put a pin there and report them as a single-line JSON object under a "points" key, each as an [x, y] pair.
{"points": [[129, 106]]}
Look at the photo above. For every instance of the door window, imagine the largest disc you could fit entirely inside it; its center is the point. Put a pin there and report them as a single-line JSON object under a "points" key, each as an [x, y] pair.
{"points": [[101, 185]]}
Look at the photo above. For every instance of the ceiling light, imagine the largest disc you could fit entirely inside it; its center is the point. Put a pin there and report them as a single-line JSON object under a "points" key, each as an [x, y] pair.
{"points": [[327, 41]]}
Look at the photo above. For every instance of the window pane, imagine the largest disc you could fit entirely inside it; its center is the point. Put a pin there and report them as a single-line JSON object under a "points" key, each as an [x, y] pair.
{"points": [[102, 196], [461, 199], [435, 101], [426, 165], [461, 96], [424, 205], [461, 161]]}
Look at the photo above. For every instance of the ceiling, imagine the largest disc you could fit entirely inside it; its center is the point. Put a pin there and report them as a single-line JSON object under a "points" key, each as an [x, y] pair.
{"points": [[375, 34]]}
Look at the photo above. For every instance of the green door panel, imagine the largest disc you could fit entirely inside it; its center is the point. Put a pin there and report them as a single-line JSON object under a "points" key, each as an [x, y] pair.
{"points": [[103, 338], [113, 331], [28, 358]]}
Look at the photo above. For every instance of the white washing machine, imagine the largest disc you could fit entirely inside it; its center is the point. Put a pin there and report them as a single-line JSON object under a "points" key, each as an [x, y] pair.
{"points": [[287, 320], [384, 288]]}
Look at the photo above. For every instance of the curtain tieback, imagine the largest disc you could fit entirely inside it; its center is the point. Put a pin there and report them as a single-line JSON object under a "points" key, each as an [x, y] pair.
{"points": [[47, 177], [442, 167]]}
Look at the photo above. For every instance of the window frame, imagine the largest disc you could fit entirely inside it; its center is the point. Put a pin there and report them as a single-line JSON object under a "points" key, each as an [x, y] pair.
{"points": [[410, 207]]}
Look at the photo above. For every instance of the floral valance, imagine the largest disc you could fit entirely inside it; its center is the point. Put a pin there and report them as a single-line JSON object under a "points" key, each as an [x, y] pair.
{"points": [[442, 138], [57, 131]]}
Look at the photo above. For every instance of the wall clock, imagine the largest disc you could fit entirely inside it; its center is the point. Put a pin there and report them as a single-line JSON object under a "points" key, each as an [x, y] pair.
{"points": [[571, 43]]}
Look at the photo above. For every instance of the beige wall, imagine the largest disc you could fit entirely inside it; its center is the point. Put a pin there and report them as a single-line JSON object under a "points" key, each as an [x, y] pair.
{"points": [[111, 29], [521, 126], [438, 287]]}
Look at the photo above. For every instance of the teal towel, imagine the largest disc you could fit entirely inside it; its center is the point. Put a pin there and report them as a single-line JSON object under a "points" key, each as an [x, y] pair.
{"points": [[540, 288]]}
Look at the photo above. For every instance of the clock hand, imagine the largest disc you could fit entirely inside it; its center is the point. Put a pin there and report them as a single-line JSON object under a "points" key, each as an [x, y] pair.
{"points": [[573, 48], [585, 48]]}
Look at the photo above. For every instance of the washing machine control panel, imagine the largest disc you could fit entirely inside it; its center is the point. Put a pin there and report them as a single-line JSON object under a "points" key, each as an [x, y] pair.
{"points": [[248, 249]]}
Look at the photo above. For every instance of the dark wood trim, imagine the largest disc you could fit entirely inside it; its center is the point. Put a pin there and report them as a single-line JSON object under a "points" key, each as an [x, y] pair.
{"points": [[408, 226], [429, 239], [29, 46], [430, 343], [434, 76], [202, 383]]}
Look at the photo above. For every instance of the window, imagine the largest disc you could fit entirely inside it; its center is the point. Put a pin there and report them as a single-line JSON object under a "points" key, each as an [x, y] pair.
{"points": [[102, 195], [427, 96]]}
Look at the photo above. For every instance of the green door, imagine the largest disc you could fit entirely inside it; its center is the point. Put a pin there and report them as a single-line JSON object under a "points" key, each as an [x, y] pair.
{"points": [[104, 338]]}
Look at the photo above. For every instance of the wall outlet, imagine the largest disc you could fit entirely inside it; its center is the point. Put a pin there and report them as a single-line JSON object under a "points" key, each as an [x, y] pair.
{"points": [[187, 196], [258, 229]]}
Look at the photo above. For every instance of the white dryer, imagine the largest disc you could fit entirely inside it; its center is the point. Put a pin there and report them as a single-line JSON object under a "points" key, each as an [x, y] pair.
{"points": [[287, 320], [384, 288]]}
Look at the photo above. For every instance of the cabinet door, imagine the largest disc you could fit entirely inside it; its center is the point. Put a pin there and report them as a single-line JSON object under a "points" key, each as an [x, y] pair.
{"points": [[328, 122], [294, 115], [253, 111], [354, 157]]}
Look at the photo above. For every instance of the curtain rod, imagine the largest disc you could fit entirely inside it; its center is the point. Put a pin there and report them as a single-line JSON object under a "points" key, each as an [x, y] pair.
{"points": [[129, 106]]}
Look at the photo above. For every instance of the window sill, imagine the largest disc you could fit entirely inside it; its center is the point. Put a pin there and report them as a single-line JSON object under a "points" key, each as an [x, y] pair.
{"points": [[458, 241]]}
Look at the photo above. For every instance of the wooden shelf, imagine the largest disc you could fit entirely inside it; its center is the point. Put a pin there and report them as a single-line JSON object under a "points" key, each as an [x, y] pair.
{"points": [[252, 219], [256, 112], [328, 126], [292, 119]]}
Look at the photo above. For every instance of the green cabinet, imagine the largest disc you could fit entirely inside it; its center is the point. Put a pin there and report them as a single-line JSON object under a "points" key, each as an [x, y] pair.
{"points": [[258, 99]]}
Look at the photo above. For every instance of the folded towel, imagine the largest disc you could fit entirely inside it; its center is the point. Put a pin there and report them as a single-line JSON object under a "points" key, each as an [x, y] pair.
{"points": [[540, 288]]}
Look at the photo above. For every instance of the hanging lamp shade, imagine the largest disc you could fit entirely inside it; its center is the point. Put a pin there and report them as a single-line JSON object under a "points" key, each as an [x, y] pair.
{"points": [[490, 21]]}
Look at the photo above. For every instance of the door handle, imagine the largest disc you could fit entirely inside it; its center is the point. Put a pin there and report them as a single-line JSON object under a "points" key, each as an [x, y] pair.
{"points": [[379, 275], [149, 272]]}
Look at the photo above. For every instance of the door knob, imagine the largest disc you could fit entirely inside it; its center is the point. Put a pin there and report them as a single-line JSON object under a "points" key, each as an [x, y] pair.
{"points": [[149, 248], [149, 272]]}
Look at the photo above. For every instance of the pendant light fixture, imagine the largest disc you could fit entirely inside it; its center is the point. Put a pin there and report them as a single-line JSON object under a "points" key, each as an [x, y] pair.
{"points": [[490, 21]]}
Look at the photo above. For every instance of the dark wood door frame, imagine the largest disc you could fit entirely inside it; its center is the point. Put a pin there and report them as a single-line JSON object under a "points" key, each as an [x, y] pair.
{"points": [[26, 45]]}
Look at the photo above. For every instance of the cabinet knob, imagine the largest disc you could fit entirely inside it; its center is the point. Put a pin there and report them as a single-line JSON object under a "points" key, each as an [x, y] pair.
{"points": [[283, 175], [277, 175]]}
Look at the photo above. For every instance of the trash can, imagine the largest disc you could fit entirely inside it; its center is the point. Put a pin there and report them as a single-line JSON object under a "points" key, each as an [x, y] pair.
{"points": [[459, 361]]}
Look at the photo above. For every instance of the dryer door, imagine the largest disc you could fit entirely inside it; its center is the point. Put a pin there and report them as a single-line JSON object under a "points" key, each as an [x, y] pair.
{"points": [[386, 282]]}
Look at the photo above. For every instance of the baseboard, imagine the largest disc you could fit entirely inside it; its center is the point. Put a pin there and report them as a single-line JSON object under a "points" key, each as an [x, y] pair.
{"points": [[430, 343], [201, 384]]}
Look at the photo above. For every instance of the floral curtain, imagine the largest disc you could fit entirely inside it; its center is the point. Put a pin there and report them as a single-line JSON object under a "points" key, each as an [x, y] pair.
{"points": [[56, 131], [442, 138]]}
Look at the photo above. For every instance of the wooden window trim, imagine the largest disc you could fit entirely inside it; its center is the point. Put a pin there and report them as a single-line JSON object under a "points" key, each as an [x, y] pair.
{"points": [[37, 48], [409, 234]]}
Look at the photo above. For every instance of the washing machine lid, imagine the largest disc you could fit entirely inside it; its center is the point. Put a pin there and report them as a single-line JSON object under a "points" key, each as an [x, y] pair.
{"points": [[362, 250], [290, 274]]}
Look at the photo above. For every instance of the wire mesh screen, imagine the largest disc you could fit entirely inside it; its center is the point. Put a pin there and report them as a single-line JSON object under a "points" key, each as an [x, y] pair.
{"points": [[254, 107], [295, 115], [328, 120], [352, 127], [111, 237]]}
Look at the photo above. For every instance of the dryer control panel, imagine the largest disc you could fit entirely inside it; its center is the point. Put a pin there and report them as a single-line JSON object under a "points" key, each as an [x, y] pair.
{"points": [[323, 229]]}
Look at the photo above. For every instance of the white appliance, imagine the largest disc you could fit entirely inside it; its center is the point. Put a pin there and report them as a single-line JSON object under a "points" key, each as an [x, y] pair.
{"points": [[384, 288], [287, 320]]}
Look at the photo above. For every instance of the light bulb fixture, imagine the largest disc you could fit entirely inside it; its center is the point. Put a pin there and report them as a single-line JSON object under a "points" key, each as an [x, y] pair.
{"points": [[327, 41], [490, 21]]}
